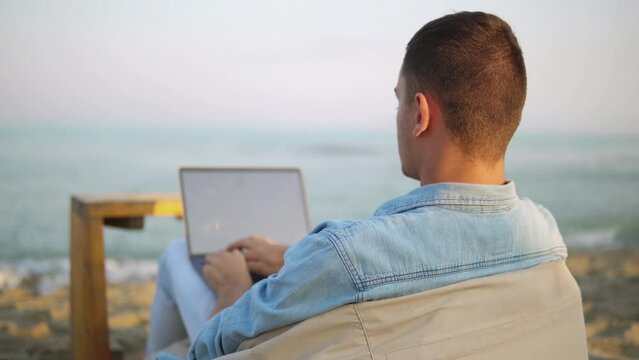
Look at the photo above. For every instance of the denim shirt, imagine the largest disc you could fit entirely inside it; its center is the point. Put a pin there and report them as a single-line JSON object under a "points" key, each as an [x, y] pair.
{"points": [[434, 236]]}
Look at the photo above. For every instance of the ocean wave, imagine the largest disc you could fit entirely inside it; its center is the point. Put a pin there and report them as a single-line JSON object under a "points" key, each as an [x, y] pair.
{"points": [[593, 238], [46, 275]]}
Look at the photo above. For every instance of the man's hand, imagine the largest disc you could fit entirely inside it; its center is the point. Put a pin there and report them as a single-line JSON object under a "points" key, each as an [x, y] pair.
{"points": [[262, 255], [228, 276]]}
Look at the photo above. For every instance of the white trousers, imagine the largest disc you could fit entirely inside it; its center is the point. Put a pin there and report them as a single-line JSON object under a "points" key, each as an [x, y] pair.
{"points": [[182, 303]]}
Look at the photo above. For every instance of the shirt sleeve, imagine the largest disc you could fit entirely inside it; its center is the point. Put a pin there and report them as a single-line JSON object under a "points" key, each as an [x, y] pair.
{"points": [[313, 280]]}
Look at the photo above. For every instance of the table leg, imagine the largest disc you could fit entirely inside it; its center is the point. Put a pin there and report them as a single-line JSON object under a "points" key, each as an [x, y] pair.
{"points": [[89, 326]]}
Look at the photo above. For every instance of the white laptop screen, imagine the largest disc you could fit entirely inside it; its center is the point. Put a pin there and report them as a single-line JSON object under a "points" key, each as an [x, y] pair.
{"points": [[224, 205]]}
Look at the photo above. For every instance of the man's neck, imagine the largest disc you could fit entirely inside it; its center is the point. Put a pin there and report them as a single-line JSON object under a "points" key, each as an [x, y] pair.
{"points": [[463, 171]]}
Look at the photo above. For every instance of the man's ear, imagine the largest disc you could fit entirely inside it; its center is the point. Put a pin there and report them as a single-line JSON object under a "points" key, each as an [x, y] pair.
{"points": [[422, 116]]}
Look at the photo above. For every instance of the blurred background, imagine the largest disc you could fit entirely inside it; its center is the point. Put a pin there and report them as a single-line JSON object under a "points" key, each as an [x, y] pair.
{"points": [[116, 96]]}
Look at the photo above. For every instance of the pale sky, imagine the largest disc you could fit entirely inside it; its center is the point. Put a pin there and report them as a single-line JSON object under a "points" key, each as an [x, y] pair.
{"points": [[305, 63]]}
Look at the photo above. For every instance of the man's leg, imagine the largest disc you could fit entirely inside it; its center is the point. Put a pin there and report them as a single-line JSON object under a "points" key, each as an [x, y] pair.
{"points": [[183, 301]]}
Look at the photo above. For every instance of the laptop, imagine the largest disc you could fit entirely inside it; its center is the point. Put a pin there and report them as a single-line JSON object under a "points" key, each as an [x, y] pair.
{"points": [[222, 205]]}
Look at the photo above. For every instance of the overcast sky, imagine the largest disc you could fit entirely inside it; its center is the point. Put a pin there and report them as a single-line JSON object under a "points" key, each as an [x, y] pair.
{"points": [[307, 63]]}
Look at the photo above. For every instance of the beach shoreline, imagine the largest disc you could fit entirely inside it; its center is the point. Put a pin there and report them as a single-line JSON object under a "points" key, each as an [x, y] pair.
{"points": [[36, 326]]}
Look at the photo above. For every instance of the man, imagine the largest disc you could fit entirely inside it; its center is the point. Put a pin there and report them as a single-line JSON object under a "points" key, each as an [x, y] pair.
{"points": [[461, 91]]}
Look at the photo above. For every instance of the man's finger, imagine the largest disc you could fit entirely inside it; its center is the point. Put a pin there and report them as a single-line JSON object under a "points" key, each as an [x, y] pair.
{"points": [[249, 242], [258, 240], [257, 267], [238, 256], [238, 244], [208, 270], [209, 259], [250, 254]]}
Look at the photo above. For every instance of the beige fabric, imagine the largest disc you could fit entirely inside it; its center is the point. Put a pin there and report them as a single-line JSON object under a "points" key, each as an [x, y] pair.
{"points": [[178, 349], [528, 314]]}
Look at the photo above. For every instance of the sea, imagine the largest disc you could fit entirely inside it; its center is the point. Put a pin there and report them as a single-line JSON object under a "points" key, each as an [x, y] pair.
{"points": [[590, 182]]}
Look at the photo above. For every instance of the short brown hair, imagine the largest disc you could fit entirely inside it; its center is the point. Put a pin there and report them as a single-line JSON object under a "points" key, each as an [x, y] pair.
{"points": [[473, 64]]}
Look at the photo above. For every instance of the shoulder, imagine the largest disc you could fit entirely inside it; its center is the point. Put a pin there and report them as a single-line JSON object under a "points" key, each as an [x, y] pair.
{"points": [[538, 211], [337, 230], [352, 237], [336, 239], [320, 245], [332, 226]]}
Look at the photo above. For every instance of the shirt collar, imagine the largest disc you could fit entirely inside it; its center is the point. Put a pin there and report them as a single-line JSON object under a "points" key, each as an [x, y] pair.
{"points": [[453, 195]]}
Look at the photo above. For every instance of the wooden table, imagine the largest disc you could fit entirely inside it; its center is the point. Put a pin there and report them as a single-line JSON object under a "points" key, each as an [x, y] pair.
{"points": [[89, 213]]}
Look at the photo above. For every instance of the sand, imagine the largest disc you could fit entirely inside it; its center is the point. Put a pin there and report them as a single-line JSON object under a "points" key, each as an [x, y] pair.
{"points": [[609, 282], [34, 326]]}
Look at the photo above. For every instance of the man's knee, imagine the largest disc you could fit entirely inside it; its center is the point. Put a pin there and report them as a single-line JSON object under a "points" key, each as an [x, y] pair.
{"points": [[175, 251]]}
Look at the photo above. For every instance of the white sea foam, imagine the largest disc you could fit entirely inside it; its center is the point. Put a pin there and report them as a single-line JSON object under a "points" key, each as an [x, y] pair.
{"points": [[8, 277], [50, 274], [593, 238]]}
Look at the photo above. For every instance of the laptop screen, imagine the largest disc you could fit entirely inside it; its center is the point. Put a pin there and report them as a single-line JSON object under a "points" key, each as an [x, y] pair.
{"points": [[223, 205]]}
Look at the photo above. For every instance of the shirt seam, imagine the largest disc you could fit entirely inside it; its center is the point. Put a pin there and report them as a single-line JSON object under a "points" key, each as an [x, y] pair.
{"points": [[449, 201], [429, 273], [475, 209], [468, 199], [348, 264]]}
